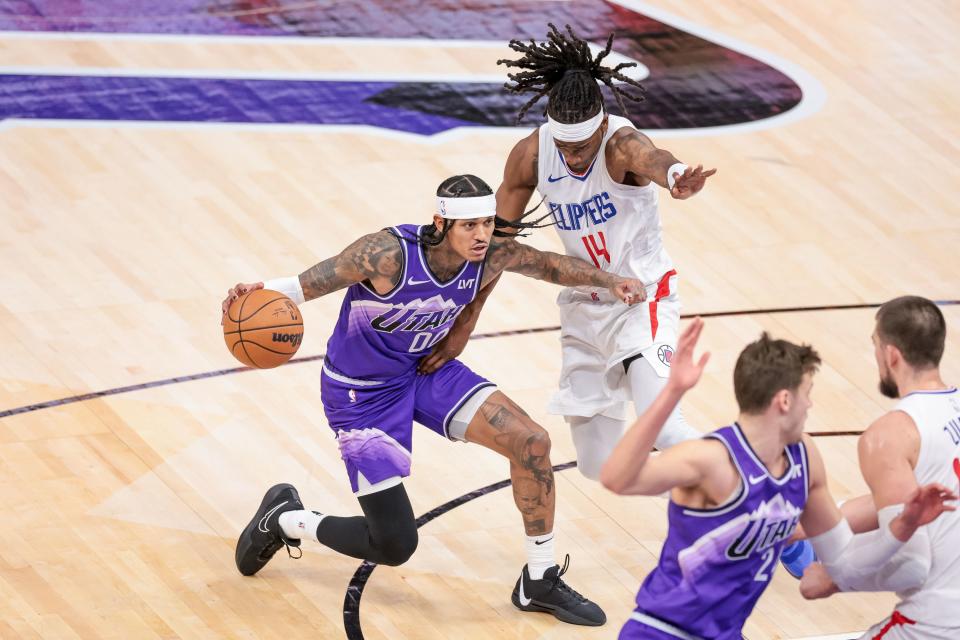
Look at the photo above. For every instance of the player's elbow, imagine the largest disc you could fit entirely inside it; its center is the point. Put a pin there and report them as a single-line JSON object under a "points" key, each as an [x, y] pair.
{"points": [[613, 480]]}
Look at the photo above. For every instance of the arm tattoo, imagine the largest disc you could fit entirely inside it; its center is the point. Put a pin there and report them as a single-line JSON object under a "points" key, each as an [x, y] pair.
{"points": [[636, 153], [510, 255], [377, 255]]}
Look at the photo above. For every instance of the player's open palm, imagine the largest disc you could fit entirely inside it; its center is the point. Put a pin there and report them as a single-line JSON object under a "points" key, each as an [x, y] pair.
{"points": [[689, 182], [926, 503], [235, 293], [684, 371], [629, 290]]}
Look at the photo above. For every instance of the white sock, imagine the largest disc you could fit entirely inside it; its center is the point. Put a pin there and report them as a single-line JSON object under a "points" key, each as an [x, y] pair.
{"points": [[300, 524], [539, 555], [645, 385]]}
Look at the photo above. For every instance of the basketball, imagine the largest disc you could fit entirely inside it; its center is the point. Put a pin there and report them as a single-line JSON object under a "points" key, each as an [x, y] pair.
{"points": [[263, 329]]}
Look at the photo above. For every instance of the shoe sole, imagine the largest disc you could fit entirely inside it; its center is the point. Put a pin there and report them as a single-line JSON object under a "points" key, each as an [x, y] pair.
{"points": [[560, 614], [245, 541]]}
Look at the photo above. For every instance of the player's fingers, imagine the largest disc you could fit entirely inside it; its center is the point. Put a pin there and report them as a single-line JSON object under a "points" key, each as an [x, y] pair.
{"points": [[687, 339], [437, 360], [704, 359], [709, 172], [696, 327]]}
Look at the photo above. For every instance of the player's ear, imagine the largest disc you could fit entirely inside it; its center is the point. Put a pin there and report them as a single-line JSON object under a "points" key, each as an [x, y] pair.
{"points": [[892, 355], [439, 223], [782, 400]]}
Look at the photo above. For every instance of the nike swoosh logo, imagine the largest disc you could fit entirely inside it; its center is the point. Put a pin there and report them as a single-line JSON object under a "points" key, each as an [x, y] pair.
{"points": [[262, 525], [550, 178], [411, 281], [524, 600], [755, 480], [538, 542]]}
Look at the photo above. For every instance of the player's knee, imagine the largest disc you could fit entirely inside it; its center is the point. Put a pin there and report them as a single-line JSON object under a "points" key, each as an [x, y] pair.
{"points": [[399, 548], [538, 444], [674, 431], [589, 467]]}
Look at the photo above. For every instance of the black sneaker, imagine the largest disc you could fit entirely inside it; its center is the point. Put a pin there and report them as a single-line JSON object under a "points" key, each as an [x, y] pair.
{"points": [[263, 536], [553, 595]]}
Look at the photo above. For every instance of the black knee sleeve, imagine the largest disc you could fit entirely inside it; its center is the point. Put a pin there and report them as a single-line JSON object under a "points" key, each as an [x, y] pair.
{"points": [[386, 534], [393, 529]]}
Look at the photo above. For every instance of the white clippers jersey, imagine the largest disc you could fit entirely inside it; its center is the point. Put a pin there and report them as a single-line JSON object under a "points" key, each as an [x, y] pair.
{"points": [[612, 225], [937, 416]]}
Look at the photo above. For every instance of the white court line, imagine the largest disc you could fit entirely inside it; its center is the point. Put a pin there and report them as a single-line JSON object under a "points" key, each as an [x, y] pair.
{"points": [[241, 74], [814, 94]]}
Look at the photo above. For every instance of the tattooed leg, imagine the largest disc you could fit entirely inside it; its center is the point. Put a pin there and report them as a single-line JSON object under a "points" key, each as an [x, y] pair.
{"points": [[501, 426]]}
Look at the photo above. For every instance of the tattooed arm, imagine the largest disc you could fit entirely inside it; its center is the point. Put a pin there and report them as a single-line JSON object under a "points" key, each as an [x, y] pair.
{"points": [[376, 258], [510, 255], [632, 158]]}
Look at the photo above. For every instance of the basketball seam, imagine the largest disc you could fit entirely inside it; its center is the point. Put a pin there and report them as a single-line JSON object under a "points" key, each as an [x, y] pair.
{"points": [[255, 311], [273, 326], [279, 353], [240, 331]]}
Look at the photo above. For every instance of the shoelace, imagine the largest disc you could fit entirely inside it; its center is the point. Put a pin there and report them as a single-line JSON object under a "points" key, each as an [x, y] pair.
{"points": [[563, 586], [272, 548]]}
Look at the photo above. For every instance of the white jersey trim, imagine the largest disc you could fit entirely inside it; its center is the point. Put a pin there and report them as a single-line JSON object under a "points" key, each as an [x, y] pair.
{"points": [[660, 625]]}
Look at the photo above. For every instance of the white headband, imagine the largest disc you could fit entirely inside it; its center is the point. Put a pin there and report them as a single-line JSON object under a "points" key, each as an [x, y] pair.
{"points": [[576, 132], [467, 208]]}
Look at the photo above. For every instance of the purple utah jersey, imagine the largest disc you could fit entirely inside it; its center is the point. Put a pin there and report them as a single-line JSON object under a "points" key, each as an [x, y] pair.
{"points": [[379, 337], [717, 562]]}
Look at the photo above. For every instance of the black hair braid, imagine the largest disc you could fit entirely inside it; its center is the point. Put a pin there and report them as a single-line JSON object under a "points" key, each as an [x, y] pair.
{"points": [[563, 67], [462, 186]]}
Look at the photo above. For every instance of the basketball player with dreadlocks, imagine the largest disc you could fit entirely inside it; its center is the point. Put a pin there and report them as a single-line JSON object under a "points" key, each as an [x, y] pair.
{"points": [[405, 286], [600, 179]]}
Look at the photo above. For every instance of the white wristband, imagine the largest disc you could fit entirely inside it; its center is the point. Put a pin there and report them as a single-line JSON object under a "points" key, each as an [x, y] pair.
{"points": [[677, 167], [289, 287]]}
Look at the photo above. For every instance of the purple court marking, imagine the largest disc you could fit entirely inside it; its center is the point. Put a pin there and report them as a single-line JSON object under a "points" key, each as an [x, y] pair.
{"points": [[693, 82], [479, 336], [211, 100]]}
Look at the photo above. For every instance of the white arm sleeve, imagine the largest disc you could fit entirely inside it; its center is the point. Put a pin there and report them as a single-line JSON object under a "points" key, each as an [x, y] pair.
{"points": [[289, 287], [874, 561]]}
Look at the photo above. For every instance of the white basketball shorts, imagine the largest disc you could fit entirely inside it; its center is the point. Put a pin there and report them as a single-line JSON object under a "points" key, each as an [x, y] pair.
{"points": [[598, 332]]}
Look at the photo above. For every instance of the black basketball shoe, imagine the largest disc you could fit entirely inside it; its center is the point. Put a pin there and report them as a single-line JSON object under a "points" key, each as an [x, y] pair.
{"points": [[553, 595], [263, 536]]}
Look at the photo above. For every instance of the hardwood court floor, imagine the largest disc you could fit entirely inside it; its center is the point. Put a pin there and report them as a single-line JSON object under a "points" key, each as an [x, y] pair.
{"points": [[119, 240]]}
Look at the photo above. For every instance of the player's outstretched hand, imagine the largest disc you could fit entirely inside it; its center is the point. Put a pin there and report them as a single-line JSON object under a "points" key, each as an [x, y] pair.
{"points": [[444, 351], [689, 182], [629, 290], [816, 582], [235, 293], [926, 503], [684, 372]]}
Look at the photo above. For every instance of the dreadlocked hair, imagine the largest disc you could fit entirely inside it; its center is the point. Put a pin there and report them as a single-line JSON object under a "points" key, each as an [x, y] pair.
{"points": [[564, 67], [465, 186]]}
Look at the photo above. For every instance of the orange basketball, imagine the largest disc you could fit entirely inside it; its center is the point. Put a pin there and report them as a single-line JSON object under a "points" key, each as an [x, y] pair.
{"points": [[263, 329]]}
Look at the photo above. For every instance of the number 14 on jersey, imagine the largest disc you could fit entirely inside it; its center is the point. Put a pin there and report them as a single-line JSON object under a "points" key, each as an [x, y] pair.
{"points": [[596, 250]]}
